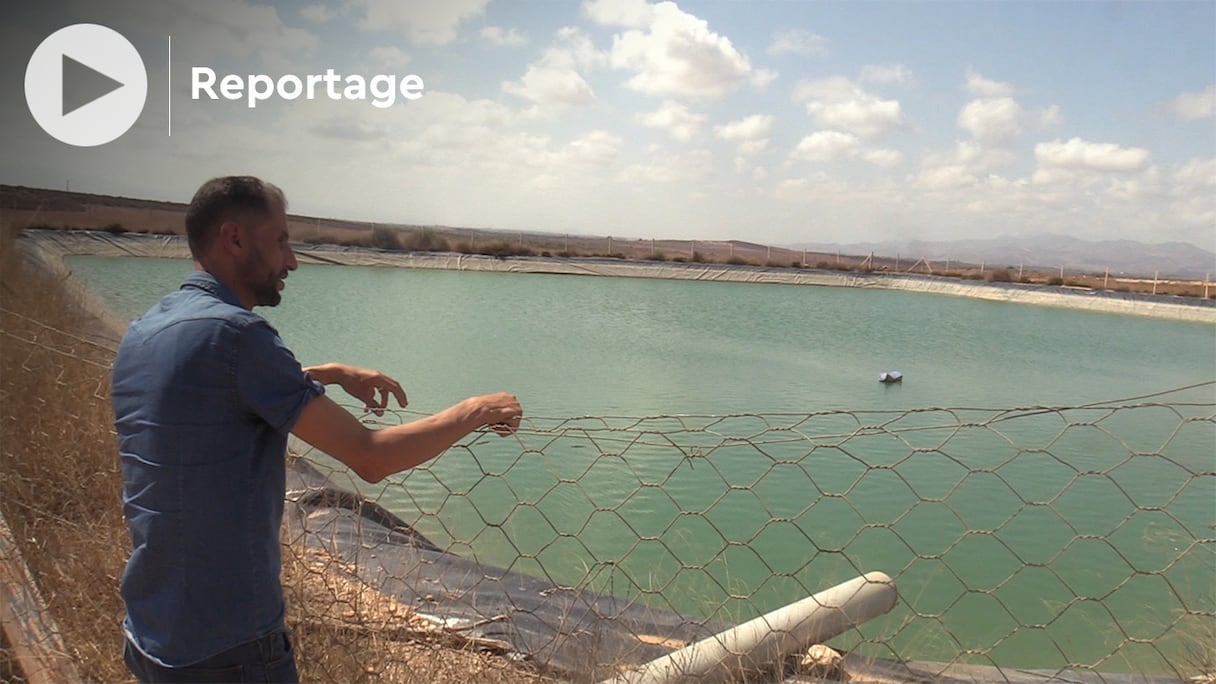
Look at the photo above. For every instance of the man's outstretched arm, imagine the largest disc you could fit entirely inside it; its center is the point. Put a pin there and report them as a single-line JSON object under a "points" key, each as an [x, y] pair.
{"points": [[374, 454]]}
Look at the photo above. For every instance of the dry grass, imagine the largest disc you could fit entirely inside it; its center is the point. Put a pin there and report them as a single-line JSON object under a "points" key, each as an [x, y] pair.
{"points": [[59, 478], [60, 489], [349, 632]]}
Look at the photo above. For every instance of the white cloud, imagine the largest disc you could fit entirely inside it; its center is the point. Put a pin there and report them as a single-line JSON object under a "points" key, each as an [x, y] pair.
{"points": [[318, 13], [750, 133], [837, 102], [548, 85], [993, 121], [1078, 154], [672, 53], [870, 119], [433, 23], [881, 157], [439, 107], [555, 78], [826, 146], [818, 186], [1192, 191], [1050, 117], [499, 37], [961, 167], [993, 117], [1194, 106], [229, 27], [970, 154], [343, 128], [762, 77], [894, 74], [946, 177], [628, 13], [798, 42], [389, 58], [668, 168], [674, 118], [837, 145], [984, 88], [1196, 173], [791, 188], [597, 148]]}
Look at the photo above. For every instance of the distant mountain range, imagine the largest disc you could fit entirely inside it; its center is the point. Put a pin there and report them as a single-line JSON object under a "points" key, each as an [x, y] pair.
{"points": [[1127, 257]]}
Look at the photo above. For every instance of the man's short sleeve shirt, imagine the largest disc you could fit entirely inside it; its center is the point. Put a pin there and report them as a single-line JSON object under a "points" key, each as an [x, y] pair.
{"points": [[205, 394]]}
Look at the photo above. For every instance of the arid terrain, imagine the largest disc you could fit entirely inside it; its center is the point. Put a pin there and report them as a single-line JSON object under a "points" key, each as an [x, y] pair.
{"points": [[23, 207]]}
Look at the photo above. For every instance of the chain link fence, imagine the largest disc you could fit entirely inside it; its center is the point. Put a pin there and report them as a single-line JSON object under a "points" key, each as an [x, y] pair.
{"points": [[1065, 540], [1068, 540], [1055, 539]]}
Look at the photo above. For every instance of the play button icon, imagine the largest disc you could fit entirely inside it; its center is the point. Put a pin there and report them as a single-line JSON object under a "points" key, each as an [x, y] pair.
{"points": [[85, 85]]}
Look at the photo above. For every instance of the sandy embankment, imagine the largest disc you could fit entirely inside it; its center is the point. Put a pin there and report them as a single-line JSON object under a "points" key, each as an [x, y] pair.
{"points": [[65, 243]]}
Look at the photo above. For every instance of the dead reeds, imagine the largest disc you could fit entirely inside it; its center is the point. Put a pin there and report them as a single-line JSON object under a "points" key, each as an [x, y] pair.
{"points": [[59, 478]]}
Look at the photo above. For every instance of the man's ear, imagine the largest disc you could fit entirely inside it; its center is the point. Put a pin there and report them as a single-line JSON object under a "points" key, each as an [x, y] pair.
{"points": [[231, 238]]}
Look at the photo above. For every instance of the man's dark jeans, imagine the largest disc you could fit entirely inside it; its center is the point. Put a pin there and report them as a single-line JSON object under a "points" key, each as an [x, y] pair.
{"points": [[266, 660]]}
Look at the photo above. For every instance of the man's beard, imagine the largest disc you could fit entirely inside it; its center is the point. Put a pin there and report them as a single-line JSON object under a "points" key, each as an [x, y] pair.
{"points": [[265, 292]]}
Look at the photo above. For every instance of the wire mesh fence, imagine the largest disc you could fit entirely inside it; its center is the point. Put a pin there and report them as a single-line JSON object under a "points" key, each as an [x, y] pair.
{"points": [[1059, 539], [1045, 538]]}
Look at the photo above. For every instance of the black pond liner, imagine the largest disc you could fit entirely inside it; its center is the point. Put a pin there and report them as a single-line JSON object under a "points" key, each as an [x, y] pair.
{"points": [[575, 634]]}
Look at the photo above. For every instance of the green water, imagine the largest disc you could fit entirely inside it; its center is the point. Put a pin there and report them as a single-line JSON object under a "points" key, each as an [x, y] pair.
{"points": [[1034, 539]]}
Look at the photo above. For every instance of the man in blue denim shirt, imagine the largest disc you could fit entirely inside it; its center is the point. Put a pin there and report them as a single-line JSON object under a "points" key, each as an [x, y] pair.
{"points": [[204, 394]]}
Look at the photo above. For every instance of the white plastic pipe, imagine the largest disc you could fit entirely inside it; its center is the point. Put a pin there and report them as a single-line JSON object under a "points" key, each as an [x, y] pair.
{"points": [[762, 643]]}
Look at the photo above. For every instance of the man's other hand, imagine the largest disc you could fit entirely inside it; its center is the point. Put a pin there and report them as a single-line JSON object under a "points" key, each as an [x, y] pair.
{"points": [[371, 387]]}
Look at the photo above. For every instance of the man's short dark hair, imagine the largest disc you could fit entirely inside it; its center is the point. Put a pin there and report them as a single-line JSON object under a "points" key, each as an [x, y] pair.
{"points": [[227, 199]]}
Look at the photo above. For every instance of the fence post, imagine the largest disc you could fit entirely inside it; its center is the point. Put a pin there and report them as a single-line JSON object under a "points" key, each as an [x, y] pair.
{"points": [[1155, 274], [35, 640], [1106, 279]]}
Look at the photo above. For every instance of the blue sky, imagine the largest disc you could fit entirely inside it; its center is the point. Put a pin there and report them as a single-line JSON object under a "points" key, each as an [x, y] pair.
{"points": [[773, 121]]}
